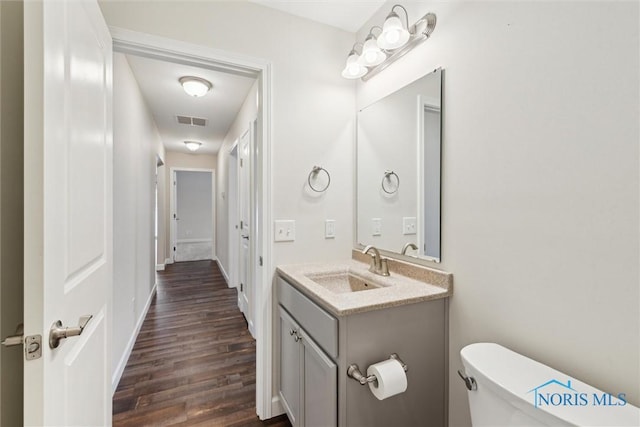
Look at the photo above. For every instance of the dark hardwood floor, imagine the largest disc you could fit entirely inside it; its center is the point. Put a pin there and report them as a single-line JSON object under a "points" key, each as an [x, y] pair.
{"points": [[194, 361]]}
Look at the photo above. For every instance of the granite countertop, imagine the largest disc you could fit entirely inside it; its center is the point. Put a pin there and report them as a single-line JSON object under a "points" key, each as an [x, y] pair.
{"points": [[395, 290]]}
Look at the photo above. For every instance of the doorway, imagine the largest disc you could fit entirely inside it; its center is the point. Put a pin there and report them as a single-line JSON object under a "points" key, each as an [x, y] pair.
{"points": [[193, 214], [260, 266]]}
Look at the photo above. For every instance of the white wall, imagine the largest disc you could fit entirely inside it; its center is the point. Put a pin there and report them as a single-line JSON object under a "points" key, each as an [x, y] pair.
{"points": [[11, 207], [136, 146], [248, 112], [540, 181]]}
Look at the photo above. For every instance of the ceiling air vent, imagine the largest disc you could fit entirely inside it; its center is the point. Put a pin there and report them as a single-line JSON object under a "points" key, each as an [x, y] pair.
{"points": [[198, 122], [193, 121]]}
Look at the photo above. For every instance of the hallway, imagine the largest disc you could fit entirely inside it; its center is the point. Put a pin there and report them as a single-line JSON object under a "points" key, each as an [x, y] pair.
{"points": [[193, 362]]}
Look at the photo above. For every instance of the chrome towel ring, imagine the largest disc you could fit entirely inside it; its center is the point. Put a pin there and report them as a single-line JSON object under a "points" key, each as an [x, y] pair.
{"points": [[313, 176], [392, 182]]}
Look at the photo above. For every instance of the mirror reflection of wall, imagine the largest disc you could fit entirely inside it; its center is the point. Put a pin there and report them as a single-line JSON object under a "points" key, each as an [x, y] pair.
{"points": [[398, 170]]}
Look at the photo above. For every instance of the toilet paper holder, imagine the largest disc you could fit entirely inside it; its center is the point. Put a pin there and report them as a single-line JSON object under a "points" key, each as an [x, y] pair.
{"points": [[354, 372]]}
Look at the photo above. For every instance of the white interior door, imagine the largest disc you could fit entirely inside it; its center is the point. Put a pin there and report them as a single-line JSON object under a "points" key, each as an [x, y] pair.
{"points": [[245, 303], [68, 211], [234, 222], [193, 215]]}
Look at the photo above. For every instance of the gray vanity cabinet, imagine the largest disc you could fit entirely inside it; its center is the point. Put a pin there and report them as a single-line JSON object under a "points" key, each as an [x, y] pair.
{"points": [[320, 377], [289, 367], [308, 377]]}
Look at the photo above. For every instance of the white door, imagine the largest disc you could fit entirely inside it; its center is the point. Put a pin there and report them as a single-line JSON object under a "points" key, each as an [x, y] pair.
{"points": [[68, 211], [193, 215], [244, 194], [234, 222]]}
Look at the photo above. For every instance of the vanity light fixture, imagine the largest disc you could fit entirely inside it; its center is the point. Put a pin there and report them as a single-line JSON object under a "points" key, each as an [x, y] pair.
{"points": [[195, 86], [192, 145], [395, 40]]}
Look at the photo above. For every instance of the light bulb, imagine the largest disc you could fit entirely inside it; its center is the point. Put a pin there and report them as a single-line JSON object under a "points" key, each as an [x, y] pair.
{"points": [[371, 53], [353, 68], [394, 35]]}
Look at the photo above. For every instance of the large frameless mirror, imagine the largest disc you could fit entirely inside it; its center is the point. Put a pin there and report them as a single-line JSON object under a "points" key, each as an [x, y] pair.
{"points": [[398, 170]]}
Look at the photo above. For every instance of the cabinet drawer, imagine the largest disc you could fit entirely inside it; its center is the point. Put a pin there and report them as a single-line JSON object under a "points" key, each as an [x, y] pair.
{"points": [[319, 324]]}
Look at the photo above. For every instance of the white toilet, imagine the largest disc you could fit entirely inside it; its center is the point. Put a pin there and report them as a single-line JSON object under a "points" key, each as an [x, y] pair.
{"points": [[508, 389]]}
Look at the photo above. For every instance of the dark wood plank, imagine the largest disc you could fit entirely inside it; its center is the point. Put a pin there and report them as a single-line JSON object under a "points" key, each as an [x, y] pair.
{"points": [[194, 361]]}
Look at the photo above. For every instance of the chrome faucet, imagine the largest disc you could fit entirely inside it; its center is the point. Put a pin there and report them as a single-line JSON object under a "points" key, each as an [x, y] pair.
{"points": [[378, 265], [408, 246]]}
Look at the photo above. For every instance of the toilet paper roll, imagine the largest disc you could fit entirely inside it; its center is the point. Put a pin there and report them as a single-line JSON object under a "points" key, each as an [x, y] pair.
{"points": [[391, 377]]}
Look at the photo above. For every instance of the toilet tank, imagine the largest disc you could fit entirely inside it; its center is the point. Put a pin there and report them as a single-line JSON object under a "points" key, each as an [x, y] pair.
{"points": [[513, 390]]}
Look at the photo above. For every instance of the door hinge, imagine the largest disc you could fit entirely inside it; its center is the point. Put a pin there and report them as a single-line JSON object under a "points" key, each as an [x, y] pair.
{"points": [[241, 225], [241, 162], [241, 287], [174, 249], [260, 260]]}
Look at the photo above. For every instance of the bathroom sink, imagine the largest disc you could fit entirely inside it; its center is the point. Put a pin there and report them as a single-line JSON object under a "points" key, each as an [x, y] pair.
{"points": [[342, 282]]}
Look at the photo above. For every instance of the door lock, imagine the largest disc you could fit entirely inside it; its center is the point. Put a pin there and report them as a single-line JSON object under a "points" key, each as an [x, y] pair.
{"points": [[16, 338], [57, 332], [33, 343]]}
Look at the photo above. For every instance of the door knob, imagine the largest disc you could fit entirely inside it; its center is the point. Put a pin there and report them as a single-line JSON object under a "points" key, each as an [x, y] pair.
{"points": [[57, 332]]}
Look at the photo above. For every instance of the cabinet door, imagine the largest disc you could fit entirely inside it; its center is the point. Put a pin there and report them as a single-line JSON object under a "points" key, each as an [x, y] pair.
{"points": [[320, 377], [290, 351]]}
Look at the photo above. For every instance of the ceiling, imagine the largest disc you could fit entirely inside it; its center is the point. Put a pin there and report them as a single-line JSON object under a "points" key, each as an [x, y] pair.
{"points": [[158, 81], [348, 15]]}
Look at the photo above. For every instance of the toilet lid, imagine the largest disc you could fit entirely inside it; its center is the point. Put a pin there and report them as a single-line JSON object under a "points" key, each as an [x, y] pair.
{"points": [[544, 392]]}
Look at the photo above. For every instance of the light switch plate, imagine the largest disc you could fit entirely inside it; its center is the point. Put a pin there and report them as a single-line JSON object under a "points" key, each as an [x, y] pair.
{"points": [[409, 225], [376, 226], [285, 230], [330, 229]]}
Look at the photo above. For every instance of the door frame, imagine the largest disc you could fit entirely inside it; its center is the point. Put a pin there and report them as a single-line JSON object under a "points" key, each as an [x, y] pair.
{"points": [[162, 48], [173, 201]]}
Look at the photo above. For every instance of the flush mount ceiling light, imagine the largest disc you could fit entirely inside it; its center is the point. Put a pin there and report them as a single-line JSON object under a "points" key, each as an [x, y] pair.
{"points": [[395, 40], [195, 86], [192, 145]]}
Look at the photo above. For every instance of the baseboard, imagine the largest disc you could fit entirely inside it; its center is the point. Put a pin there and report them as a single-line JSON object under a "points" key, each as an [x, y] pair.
{"points": [[168, 261], [224, 273], [159, 267], [115, 379], [276, 406]]}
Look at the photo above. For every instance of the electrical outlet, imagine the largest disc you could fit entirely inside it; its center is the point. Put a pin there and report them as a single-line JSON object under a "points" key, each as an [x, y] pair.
{"points": [[330, 229], [409, 225], [285, 231], [376, 226]]}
